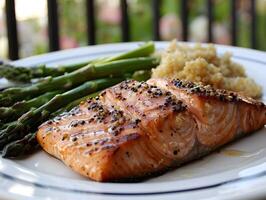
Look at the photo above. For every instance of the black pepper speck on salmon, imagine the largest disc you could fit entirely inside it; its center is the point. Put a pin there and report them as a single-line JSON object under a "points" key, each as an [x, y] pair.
{"points": [[135, 129]]}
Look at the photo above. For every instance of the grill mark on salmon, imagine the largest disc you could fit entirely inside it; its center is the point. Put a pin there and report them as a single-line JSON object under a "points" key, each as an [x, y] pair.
{"points": [[135, 129]]}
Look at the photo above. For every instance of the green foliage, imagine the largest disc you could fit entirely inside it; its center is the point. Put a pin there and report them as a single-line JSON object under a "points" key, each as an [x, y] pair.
{"points": [[222, 10], [169, 6], [243, 39], [140, 20], [72, 19], [261, 32]]}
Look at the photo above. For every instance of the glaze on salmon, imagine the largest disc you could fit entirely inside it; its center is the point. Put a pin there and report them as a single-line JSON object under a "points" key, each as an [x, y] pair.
{"points": [[137, 129]]}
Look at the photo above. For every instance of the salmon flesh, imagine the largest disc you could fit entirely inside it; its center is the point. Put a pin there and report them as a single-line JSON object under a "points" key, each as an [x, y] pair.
{"points": [[138, 129]]}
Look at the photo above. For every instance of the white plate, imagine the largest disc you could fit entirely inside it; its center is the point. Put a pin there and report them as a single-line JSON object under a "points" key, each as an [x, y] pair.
{"points": [[217, 176]]}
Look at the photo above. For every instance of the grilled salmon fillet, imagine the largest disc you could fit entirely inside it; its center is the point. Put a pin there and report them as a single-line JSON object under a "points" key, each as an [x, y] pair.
{"points": [[137, 129]]}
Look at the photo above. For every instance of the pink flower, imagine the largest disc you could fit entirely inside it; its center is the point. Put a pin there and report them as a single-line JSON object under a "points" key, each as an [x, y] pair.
{"points": [[170, 27], [110, 14], [67, 42], [221, 34]]}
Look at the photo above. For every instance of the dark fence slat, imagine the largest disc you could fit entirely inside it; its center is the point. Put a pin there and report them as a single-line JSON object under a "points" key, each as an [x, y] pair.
{"points": [[53, 28], [184, 19], [124, 21], [253, 24], [233, 22], [156, 19], [12, 33], [90, 13], [210, 19]]}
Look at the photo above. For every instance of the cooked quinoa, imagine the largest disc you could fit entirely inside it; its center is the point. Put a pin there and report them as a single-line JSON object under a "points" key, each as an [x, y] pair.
{"points": [[202, 64]]}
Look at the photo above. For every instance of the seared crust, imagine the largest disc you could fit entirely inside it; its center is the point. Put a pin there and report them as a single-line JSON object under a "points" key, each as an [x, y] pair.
{"points": [[219, 94]]}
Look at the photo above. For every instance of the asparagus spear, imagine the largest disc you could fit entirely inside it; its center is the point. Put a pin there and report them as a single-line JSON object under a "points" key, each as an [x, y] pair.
{"points": [[8, 114], [67, 81], [21, 147], [144, 50], [25, 74], [32, 119], [142, 75], [28, 144], [5, 125], [73, 104]]}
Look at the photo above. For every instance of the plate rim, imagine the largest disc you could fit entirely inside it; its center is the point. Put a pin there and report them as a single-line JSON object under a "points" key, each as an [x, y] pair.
{"points": [[99, 46]]}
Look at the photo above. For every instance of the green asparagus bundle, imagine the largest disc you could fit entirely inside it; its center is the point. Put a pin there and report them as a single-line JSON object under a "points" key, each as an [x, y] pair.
{"points": [[25, 74]]}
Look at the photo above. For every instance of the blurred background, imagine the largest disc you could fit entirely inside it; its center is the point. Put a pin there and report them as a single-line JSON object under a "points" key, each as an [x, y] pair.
{"points": [[32, 23]]}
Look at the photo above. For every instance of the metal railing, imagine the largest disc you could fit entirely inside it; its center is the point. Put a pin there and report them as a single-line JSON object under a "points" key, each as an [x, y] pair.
{"points": [[53, 25]]}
